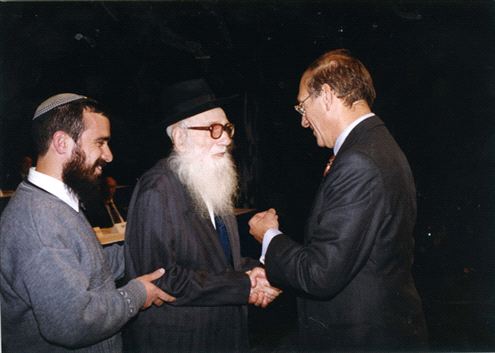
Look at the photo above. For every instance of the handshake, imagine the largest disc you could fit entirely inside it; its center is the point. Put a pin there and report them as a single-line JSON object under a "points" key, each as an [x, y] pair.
{"points": [[262, 293]]}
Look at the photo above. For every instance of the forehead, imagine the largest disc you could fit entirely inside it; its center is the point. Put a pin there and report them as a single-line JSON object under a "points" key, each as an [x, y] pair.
{"points": [[97, 125], [216, 115], [303, 87]]}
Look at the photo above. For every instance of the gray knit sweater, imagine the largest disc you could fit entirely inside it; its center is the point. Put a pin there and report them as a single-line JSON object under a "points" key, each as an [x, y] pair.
{"points": [[58, 284]]}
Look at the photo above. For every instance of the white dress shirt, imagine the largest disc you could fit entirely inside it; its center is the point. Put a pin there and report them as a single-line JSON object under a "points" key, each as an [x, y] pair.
{"points": [[54, 187]]}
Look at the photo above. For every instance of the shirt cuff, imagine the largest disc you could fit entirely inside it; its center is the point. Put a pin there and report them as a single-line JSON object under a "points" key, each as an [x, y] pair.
{"points": [[267, 238]]}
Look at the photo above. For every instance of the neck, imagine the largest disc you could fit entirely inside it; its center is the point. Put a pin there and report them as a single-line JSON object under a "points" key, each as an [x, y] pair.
{"points": [[358, 109], [49, 166]]}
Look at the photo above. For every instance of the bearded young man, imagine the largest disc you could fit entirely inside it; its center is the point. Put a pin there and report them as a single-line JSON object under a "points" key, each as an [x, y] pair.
{"points": [[58, 284], [177, 218]]}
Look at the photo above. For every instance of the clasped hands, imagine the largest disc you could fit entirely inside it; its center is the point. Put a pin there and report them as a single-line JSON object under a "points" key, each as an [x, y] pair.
{"points": [[262, 293]]}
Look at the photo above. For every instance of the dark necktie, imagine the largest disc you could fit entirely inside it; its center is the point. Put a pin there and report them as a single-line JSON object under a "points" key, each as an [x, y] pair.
{"points": [[114, 213], [224, 236], [329, 165]]}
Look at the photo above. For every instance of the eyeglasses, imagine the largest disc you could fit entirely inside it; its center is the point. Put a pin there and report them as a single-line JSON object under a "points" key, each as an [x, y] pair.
{"points": [[300, 107], [216, 130]]}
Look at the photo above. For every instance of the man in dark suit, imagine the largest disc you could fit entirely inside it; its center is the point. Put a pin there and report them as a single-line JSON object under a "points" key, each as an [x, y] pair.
{"points": [[353, 271], [181, 216]]}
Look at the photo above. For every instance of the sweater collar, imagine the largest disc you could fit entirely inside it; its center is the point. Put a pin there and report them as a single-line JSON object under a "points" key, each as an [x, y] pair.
{"points": [[54, 187]]}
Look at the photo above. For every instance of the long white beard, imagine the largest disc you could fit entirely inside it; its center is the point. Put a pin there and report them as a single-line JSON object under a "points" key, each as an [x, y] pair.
{"points": [[208, 180]]}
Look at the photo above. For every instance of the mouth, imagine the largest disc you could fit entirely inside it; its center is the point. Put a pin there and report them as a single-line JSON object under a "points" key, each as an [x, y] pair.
{"points": [[99, 164]]}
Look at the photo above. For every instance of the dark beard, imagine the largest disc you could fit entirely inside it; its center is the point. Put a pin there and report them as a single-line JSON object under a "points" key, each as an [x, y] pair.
{"points": [[80, 178]]}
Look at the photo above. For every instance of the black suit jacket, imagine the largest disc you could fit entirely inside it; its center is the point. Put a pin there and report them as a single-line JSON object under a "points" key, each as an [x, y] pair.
{"points": [[164, 230], [354, 269]]}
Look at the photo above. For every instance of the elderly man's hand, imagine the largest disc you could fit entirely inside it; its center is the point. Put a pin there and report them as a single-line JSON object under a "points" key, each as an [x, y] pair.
{"points": [[262, 293], [261, 222]]}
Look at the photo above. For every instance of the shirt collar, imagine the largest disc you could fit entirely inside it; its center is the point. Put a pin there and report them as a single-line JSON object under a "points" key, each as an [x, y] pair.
{"points": [[210, 211], [54, 187], [347, 131]]}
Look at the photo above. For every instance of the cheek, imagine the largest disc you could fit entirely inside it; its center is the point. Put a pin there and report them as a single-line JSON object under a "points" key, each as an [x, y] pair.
{"points": [[207, 145], [93, 156], [197, 148], [211, 150], [309, 123]]}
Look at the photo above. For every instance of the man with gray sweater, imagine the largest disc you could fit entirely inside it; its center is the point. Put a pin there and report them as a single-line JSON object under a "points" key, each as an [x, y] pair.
{"points": [[58, 288]]}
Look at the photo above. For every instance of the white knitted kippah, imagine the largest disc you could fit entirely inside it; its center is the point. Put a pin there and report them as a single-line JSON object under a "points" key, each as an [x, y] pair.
{"points": [[55, 101]]}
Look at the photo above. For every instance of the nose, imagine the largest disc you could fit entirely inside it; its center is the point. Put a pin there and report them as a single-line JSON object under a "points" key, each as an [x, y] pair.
{"points": [[107, 155], [224, 140], [304, 121]]}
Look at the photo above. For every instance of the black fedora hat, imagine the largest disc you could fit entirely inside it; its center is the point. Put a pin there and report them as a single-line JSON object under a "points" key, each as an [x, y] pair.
{"points": [[188, 98]]}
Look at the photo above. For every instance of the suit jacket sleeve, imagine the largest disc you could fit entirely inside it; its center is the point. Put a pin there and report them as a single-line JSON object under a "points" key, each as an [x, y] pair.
{"points": [[347, 214], [162, 232], [247, 264]]}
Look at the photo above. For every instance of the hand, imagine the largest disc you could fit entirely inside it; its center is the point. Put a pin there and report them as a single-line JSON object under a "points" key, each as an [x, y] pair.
{"points": [[154, 295], [261, 222], [261, 291]]}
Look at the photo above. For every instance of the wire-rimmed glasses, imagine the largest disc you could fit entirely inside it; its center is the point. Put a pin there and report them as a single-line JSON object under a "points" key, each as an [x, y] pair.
{"points": [[300, 107]]}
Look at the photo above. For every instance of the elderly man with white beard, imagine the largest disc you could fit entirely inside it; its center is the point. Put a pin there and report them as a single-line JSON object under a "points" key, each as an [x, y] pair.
{"points": [[181, 218]]}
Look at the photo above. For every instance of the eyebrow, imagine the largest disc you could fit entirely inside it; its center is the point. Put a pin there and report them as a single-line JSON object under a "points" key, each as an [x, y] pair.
{"points": [[211, 123]]}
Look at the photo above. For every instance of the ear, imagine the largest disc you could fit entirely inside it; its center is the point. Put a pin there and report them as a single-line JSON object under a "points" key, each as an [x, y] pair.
{"points": [[329, 95], [179, 139], [62, 142]]}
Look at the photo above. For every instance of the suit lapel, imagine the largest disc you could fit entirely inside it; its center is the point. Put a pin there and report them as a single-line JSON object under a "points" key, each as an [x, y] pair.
{"points": [[358, 132], [207, 236], [235, 246]]}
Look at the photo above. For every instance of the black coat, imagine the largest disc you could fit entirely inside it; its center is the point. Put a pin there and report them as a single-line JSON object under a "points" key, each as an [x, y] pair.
{"points": [[164, 230], [354, 269]]}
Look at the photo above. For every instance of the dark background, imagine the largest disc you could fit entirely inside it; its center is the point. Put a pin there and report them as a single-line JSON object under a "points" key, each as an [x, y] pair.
{"points": [[432, 63]]}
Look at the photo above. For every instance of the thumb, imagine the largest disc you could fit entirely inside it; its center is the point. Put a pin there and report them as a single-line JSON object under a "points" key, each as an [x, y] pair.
{"points": [[252, 278], [259, 272], [157, 274], [259, 215]]}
